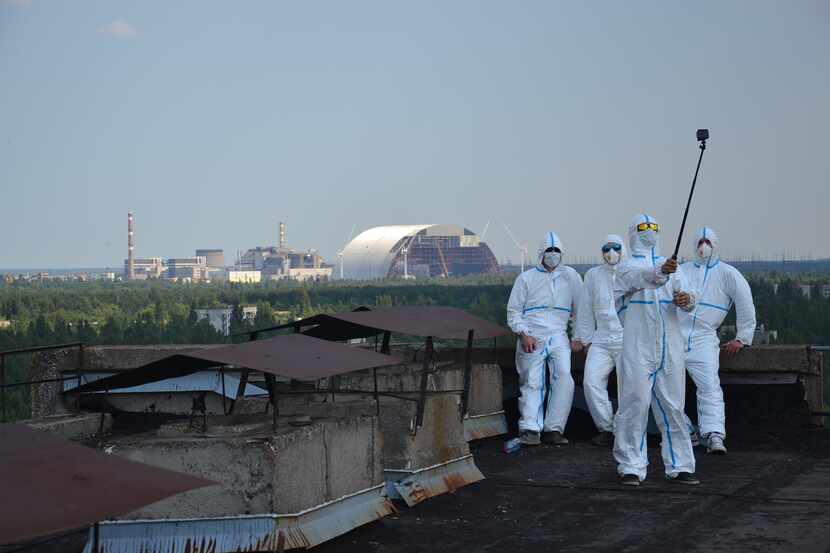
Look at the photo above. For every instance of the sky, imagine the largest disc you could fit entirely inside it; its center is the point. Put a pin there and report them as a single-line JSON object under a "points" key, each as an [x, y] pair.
{"points": [[213, 121]]}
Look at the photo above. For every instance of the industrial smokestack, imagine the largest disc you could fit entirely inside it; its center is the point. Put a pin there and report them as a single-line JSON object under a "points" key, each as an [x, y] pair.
{"points": [[282, 236], [130, 248]]}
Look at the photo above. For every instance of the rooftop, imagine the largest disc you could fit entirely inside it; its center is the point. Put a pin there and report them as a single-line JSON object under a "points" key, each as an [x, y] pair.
{"points": [[769, 493]]}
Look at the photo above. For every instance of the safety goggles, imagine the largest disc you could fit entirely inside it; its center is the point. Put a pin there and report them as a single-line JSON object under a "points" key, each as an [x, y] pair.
{"points": [[552, 249], [611, 246], [648, 226]]}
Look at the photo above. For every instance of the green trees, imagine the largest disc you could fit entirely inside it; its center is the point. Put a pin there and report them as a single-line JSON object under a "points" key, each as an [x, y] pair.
{"points": [[161, 312], [165, 313]]}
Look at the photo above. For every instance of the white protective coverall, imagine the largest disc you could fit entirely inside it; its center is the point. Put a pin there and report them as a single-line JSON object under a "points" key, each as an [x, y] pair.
{"points": [[717, 286], [540, 305], [653, 371], [598, 324]]}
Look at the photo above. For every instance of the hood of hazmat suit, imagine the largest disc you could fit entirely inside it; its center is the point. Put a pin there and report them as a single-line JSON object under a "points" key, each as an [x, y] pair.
{"points": [[653, 372], [553, 259], [706, 233]]}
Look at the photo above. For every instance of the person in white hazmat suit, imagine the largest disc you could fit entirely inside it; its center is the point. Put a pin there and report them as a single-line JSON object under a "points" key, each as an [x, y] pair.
{"points": [[541, 303], [652, 369], [718, 286], [598, 327]]}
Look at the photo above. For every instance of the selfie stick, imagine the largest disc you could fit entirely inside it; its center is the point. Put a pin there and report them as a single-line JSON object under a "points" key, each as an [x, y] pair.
{"points": [[702, 137]]}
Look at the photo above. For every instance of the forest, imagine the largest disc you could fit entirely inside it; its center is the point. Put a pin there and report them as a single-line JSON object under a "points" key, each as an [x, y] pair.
{"points": [[159, 312]]}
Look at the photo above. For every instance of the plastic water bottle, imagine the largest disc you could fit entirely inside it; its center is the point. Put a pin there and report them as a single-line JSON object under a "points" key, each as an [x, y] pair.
{"points": [[512, 446]]}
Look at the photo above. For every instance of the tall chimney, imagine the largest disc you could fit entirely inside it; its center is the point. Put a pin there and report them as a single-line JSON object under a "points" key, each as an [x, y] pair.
{"points": [[282, 236], [130, 247]]}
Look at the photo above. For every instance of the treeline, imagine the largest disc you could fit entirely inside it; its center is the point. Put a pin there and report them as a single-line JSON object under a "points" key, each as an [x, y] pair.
{"points": [[164, 313], [160, 312]]}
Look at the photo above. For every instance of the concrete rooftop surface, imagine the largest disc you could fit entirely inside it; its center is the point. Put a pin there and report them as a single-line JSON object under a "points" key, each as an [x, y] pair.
{"points": [[770, 493]]}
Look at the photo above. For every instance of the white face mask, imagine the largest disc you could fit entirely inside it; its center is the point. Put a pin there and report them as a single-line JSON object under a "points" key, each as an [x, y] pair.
{"points": [[648, 238], [612, 257], [552, 259], [705, 251]]}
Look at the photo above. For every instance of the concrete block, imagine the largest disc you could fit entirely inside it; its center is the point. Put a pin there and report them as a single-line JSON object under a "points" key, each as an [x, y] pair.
{"points": [[439, 439], [259, 471]]}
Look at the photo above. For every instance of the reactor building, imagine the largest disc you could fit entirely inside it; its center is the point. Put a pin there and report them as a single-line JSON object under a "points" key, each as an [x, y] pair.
{"points": [[415, 251]]}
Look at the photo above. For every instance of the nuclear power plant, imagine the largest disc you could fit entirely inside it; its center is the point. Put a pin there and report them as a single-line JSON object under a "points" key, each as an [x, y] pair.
{"points": [[280, 261], [208, 264], [393, 251]]}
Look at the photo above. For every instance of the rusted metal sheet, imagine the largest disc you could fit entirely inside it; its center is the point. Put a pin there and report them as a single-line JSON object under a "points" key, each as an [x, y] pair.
{"points": [[416, 320], [418, 485], [478, 427], [292, 355], [268, 532], [51, 485]]}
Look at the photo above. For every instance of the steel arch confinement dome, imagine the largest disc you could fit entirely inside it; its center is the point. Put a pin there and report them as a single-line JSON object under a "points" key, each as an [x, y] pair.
{"points": [[427, 250]]}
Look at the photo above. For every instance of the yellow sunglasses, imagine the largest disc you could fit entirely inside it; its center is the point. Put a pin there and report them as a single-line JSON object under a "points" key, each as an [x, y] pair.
{"points": [[648, 226]]}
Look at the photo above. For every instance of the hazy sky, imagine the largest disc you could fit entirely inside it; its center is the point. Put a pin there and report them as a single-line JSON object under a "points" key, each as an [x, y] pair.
{"points": [[214, 120]]}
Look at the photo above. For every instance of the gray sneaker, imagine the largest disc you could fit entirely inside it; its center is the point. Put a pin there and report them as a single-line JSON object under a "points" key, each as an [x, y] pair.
{"points": [[715, 444], [554, 438], [529, 437]]}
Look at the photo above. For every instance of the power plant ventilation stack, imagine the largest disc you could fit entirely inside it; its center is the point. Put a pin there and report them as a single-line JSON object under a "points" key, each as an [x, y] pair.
{"points": [[130, 247]]}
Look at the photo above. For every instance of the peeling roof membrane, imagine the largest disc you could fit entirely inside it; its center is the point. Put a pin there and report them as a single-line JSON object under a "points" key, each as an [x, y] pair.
{"points": [[294, 356], [443, 322], [203, 381]]}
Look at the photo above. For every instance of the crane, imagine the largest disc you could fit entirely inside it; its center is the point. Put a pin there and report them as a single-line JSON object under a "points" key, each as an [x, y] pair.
{"points": [[522, 249], [405, 251], [484, 232], [341, 255], [443, 260]]}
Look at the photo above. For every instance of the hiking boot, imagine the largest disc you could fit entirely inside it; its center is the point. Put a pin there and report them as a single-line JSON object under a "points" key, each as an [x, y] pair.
{"points": [[687, 478], [554, 438], [529, 437], [629, 480], [715, 444], [603, 439]]}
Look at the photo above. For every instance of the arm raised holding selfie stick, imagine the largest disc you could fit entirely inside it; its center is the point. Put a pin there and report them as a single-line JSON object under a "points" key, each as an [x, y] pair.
{"points": [[702, 137]]}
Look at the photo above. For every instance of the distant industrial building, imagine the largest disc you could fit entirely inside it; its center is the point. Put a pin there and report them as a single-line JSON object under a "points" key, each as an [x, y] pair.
{"points": [[190, 268], [244, 277], [220, 318], [144, 268], [214, 258], [411, 251], [279, 262]]}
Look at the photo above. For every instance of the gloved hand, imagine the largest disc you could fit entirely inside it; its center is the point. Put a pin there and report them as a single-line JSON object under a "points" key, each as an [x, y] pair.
{"points": [[669, 267]]}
